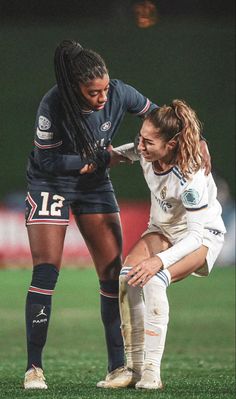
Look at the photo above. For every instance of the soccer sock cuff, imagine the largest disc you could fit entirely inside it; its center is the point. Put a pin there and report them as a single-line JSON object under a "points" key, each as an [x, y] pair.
{"points": [[164, 277], [44, 280]]}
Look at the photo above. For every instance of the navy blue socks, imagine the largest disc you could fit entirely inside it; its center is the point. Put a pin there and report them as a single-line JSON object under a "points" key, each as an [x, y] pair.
{"points": [[38, 309], [109, 291]]}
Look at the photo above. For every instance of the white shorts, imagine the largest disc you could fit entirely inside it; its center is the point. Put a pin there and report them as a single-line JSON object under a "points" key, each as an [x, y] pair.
{"points": [[212, 239], [214, 242]]}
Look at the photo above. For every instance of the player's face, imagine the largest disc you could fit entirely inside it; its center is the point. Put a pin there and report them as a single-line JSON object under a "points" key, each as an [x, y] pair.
{"points": [[151, 145], [95, 92]]}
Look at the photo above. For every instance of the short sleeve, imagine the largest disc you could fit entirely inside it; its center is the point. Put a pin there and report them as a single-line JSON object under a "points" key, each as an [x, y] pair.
{"points": [[195, 196], [135, 102], [47, 127]]}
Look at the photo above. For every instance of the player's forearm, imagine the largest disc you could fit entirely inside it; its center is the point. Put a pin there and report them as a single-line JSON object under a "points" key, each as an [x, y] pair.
{"points": [[128, 151], [56, 163], [192, 241]]}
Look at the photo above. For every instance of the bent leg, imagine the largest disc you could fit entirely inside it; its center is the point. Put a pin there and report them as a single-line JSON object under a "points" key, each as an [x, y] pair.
{"points": [[131, 300], [102, 234], [157, 314], [189, 264], [147, 246]]}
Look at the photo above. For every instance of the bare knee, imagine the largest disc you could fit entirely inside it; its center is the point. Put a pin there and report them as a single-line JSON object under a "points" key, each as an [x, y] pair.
{"points": [[134, 259], [39, 258], [109, 271], [131, 260]]}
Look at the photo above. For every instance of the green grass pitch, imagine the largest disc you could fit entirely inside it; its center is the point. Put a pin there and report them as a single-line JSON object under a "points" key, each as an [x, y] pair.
{"points": [[198, 360]]}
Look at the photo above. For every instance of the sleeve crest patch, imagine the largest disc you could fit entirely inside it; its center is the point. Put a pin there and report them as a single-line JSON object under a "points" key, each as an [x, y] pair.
{"points": [[44, 123], [190, 197]]}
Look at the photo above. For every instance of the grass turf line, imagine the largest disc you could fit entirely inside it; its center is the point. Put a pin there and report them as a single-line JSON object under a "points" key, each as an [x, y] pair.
{"points": [[198, 360]]}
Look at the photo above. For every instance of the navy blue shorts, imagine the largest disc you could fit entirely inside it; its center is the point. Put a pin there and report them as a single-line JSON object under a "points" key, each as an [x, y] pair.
{"points": [[43, 207]]}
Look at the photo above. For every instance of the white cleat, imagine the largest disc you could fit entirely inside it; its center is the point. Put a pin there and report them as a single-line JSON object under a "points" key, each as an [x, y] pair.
{"points": [[121, 377], [150, 380], [34, 379]]}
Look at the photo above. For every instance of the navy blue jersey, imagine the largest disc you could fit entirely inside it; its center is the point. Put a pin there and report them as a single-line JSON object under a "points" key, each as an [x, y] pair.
{"points": [[53, 165]]}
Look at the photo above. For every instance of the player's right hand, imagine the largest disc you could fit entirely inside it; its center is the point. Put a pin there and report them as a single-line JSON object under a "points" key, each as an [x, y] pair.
{"points": [[88, 168]]}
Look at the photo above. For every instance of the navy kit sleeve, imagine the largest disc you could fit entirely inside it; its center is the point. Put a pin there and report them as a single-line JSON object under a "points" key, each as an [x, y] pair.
{"points": [[52, 162], [53, 152], [48, 133], [49, 139], [135, 102]]}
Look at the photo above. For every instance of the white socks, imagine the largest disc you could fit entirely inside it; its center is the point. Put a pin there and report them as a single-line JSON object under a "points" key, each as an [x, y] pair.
{"points": [[156, 318], [152, 319], [132, 322]]}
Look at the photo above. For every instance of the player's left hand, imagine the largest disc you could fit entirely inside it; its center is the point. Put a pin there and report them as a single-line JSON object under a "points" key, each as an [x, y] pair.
{"points": [[141, 273], [206, 158]]}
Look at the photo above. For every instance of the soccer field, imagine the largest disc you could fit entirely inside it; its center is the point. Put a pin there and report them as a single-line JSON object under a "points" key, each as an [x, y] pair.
{"points": [[198, 360]]}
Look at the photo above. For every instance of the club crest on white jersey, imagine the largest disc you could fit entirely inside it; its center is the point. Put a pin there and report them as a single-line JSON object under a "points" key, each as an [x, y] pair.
{"points": [[163, 192]]}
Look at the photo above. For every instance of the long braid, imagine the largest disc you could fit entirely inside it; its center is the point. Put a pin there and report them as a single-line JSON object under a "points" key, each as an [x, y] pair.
{"points": [[74, 65]]}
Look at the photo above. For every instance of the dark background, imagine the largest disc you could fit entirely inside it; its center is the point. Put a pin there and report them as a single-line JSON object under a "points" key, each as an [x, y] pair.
{"points": [[189, 53]]}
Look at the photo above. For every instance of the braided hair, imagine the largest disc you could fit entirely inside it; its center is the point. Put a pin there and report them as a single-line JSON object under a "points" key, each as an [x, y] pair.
{"points": [[74, 65], [179, 122]]}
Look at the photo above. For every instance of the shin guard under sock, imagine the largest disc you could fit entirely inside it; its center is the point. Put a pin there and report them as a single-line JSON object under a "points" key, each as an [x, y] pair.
{"points": [[109, 291], [156, 318], [132, 321], [38, 309]]}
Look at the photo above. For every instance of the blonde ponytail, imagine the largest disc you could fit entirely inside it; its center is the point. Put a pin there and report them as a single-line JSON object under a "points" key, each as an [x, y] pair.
{"points": [[188, 156]]}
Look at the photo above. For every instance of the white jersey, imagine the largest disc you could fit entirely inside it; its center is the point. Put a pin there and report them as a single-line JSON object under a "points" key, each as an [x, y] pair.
{"points": [[181, 209]]}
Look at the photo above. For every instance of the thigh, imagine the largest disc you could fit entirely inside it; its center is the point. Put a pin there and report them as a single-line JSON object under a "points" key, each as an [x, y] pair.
{"points": [[103, 237], [47, 216], [149, 245], [189, 264], [46, 243]]}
